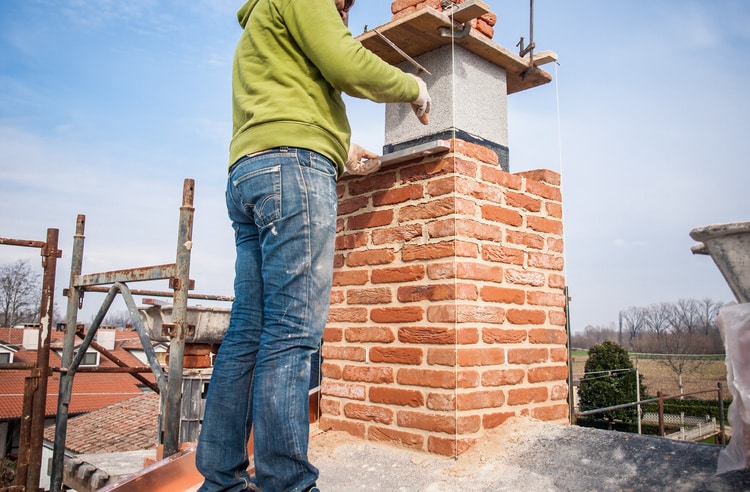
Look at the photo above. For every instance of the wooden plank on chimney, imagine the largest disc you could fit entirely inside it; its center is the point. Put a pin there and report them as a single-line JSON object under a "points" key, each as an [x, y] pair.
{"points": [[468, 11]]}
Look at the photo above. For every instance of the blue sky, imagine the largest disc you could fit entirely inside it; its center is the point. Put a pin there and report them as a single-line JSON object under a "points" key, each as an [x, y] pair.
{"points": [[107, 106]]}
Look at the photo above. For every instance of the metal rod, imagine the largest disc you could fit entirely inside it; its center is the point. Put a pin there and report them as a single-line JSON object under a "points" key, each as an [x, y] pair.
{"points": [[159, 293], [135, 318], [50, 253], [66, 382], [723, 438], [179, 315], [24, 433]]}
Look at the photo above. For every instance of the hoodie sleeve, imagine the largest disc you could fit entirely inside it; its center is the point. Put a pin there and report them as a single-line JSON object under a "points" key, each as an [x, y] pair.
{"points": [[347, 65]]}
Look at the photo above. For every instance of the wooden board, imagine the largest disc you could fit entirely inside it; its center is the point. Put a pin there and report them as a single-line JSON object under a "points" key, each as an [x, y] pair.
{"points": [[419, 33]]}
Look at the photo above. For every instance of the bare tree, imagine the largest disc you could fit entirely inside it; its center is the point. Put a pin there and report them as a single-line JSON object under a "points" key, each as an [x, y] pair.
{"points": [[633, 322], [680, 344], [20, 294]]}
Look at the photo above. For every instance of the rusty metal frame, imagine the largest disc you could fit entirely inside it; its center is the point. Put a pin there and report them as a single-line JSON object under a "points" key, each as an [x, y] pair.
{"points": [[28, 467], [178, 275]]}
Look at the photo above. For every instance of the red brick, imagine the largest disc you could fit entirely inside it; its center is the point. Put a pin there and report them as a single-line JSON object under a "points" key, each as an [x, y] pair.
{"points": [[337, 296], [396, 355], [501, 214], [544, 190], [346, 207], [534, 241], [541, 224], [397, 314], [559, 354], [335, 352], [548, 373], [441, 356], [476, 151], [426, 169], [433, 251], [548, 336], [468, 335], [559, 392], [502, 377], [542, 176], [504, 295], [554, 209], [405, 273], [440, 292], [432, 378], [465, 314], [479, 190], [377, 181], [551, 412], [381, 334], [330, 406], [525, 355], [555, 245], [402, 438], [498, 176], [545, 261], [370, 413], [350, 241], [370, 257], [522, 277], [427, 335], [442, 402], [368, 374], [441, 186], [480, 356], [396, 396], [438, 423], [503, 254], [449, 446], [350, 277], [557, 318], [524, 396], [370, 219], [400, 234], [520, 200], [356, 429], [481, 399], [331, 370], [537, 298], [465, 270], [466, 249], [333, 334], [338, 260], [343, 390], [492, 420], [380, 295], [526, 316], [428, 210], [397, 195], [503, 335], [556, 281], [347, 315]]}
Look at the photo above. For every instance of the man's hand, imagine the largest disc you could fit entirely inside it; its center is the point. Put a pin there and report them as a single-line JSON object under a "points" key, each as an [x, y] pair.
{"points": [[355, 165], [422, 103]]}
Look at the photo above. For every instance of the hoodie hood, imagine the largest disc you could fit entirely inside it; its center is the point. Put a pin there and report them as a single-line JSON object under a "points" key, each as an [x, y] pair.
{"points": [[244, 13]]}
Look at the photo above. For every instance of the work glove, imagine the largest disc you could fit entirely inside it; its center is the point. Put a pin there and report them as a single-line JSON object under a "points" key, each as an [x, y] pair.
{"points": [[421, 105], [355, 165]]}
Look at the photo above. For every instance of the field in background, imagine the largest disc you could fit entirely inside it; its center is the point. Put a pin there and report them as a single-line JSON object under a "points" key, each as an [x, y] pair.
{"points": [[657, 376]]}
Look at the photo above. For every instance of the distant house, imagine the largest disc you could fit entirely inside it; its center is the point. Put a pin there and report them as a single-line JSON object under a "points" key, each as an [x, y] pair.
{"points": [[91, 391]]}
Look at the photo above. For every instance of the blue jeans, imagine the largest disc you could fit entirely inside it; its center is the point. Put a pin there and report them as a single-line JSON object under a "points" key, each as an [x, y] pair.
{"points": [[282, 204]]}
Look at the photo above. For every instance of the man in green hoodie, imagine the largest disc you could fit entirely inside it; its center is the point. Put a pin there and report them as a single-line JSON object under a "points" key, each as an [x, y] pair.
{"points": [[290, 143]]}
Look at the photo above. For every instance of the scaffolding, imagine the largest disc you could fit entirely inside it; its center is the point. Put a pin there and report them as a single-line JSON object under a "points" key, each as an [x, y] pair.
{"points": [[169, 382]]}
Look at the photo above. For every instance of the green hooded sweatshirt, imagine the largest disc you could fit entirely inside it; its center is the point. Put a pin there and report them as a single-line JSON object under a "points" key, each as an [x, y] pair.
{"points": [[292, 62]]}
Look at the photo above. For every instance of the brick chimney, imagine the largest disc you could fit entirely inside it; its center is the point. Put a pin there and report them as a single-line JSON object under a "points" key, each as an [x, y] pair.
{"points": [[448, 307]]}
